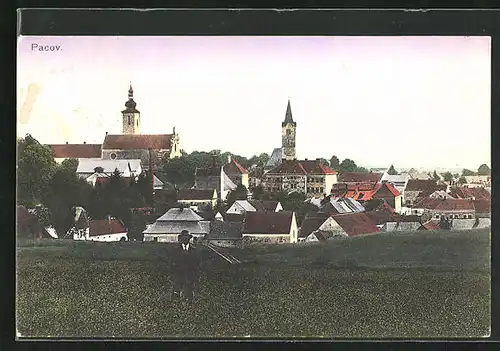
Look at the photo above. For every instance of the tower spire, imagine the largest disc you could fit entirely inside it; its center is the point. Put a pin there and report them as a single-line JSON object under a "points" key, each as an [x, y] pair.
{"points": [[130, 91], [288, 114]]}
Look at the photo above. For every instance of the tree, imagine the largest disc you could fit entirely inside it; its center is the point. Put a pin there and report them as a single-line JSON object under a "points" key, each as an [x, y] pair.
{"points": [[435, 176], [324, 161], [362, 170], [257, 192], [35, 167], [467, 172], [334, 162], [347, 165], [392, 171], [484, 170], [66, 190], [181, 171], [448, 177], [70, 164], [240, 193], [137, 226], [462, 180], [258, 160]]}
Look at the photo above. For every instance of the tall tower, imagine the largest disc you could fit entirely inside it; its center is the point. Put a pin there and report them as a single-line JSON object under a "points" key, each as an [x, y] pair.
{"points": [[131, 116], [288, 128]]}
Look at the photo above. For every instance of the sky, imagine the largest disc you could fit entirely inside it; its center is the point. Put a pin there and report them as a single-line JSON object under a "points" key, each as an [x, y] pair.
{"points": [[420, 102]]}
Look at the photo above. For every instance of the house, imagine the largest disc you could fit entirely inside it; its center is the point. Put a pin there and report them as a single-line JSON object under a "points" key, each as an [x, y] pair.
{"points": [[157, 183], [355, 178], [403, 224], [255, 176], [214, 177], [225, 234], [105, 230], [316, 227], [342, 205], [352, 190], [270, 227], [366, 192], [398, 181], [387, 192], [462, 223], [169, 226], [417, 189], [446, 208], [310, 177], [236, 172], [197, 198], [381, 217], [478, 181], [352, 224], [127, 168], [242, 206], [80, 152], [475, 193], [440, 194]]}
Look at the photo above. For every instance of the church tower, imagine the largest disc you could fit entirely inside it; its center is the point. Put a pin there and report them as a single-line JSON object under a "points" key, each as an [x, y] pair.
{"points": [[131, 116], [288, 127]]}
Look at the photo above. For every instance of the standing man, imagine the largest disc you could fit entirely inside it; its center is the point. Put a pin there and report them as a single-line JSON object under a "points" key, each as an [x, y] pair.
{"points": [[186, 267]]}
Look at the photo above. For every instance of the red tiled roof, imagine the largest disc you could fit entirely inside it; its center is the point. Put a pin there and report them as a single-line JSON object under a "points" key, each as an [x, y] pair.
{"points": [[234, 168], [360, 177], [421, 185], [137, 142], [76, 150], [381, 217], [195, 194], [468, 193], [288, 167], [261, 222], [316, 167], [450, 205], [482, 206], [106, 227], [386, 189], [356, 223]]}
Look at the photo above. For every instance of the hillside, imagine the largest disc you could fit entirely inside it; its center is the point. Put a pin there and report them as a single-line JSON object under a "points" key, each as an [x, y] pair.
{"points": [[386, 285]]}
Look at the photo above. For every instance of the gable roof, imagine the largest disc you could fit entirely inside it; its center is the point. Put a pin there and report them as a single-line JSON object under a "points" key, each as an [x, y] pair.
{"points": [[475, 192], [234, 168], [312, 223], [195, 194], [106, 227], [359, 177], [381, 217], [451, 205], [316, 167], [76, 150], [137, 142], [382, 189], [260, 205], [180, 214], [267, 222], [233, 217], [109, 166], [356, 223], [421, 185], [225, 230]]}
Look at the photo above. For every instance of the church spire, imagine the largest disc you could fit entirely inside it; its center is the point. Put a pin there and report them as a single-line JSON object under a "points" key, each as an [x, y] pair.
{"points": [[288, 115], [130, 92]]}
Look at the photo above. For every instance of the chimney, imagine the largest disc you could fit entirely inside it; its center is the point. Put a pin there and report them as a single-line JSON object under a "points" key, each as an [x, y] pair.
{"points": [[106, 133], [66, 143], [85, 142]]}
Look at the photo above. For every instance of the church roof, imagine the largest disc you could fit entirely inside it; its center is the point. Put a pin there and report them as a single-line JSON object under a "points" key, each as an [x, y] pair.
{"points": [[288, 115], [130, 104], [76, 150], [137, 142]]}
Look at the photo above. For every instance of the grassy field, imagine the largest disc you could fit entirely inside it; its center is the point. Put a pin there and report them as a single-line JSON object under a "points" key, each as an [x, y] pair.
{"points": [[404, 285]]}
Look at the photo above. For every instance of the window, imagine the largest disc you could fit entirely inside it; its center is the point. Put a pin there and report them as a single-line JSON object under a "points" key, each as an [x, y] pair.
{"points": [[129, 120]]}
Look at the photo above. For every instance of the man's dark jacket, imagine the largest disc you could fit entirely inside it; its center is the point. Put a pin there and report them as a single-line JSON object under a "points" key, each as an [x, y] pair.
{"points": [[186, 264]]}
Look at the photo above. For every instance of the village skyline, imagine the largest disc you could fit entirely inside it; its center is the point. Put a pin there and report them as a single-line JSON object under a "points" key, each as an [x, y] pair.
{"points": [[441, 86]]}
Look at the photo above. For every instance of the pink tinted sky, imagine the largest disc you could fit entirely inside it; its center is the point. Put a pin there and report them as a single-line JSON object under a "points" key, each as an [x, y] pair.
{"points": [[407, 101]]}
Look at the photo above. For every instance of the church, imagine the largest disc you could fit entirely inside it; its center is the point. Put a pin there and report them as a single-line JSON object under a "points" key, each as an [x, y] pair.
{"points": [[131, 144]]}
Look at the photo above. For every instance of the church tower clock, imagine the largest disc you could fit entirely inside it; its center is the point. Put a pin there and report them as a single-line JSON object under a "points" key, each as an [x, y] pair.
{"points": [[288, 127], [131, 116]]}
